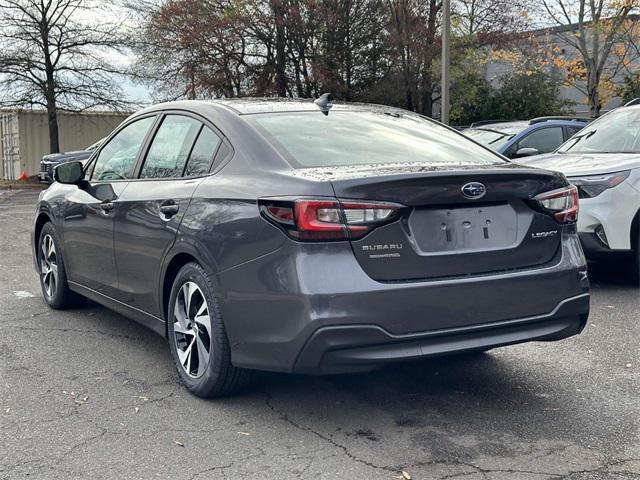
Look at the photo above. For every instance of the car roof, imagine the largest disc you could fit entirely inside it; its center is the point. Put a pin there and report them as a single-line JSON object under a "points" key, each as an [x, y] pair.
{"points": [[517, 127], [253, 105], [503, 127]]}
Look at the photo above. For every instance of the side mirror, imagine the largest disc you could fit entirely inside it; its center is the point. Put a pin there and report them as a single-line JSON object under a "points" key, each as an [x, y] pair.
{"points": [[526, 152], [71, 173]]}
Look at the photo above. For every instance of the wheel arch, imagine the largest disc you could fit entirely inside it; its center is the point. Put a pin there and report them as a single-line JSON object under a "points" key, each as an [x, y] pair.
{"points": [[174, 261], [635, 232], [42, 219], [174, 265]]}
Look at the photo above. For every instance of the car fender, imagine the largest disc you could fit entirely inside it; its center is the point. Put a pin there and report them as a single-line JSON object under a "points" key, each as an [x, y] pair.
{"points": [[192, 248]]}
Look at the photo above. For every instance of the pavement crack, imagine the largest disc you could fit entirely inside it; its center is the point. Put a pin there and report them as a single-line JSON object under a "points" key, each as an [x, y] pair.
{"points": [[211, 469], [330, 440]]}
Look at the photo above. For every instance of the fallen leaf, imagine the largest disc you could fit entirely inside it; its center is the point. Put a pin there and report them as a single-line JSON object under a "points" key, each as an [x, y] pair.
{"points": [[180, 444], [7, 410], [244, 433], [406, 475], [137, 409], [628, 365], [142, 397]]}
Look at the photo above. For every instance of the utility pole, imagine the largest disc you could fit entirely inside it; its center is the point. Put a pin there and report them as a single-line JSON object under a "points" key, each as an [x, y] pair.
{"points": [[446, 59]]}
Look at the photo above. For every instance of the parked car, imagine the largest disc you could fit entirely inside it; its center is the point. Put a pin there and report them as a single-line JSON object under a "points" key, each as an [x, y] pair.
{"points": [[49, 162], [603, 161], [309, 237], [525, 138]]}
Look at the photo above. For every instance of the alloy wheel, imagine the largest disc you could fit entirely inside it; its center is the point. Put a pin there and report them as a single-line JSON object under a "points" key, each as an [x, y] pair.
{"points": [[49, 265], [192, 329]]}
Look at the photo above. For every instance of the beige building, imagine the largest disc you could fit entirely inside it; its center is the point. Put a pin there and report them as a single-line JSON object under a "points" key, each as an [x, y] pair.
{"points": [[554, 38], [24, 136]]}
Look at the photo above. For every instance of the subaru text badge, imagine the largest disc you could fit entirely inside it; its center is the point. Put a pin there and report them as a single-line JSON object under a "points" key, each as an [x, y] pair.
{"points": [[474, 190]]}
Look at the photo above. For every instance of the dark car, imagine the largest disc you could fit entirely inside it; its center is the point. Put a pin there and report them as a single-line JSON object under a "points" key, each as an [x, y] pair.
{"points": [[525, 138], [49, 162], [295, 237]]}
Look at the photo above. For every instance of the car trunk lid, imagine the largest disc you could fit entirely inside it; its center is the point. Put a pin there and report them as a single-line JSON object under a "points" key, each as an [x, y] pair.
{"points": [[445, 232]]}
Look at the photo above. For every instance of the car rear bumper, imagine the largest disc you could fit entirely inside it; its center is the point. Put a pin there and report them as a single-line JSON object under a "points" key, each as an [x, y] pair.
{"points": [[352, 348], [614, 210], [595, 249], [311, 308]]}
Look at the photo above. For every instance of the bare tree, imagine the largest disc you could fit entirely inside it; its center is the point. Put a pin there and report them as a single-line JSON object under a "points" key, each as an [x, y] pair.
{"points": [[595, 29], [50, 58], [490, 17]]}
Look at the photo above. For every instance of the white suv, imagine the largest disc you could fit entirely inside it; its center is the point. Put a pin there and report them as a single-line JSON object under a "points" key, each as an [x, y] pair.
{"points": [[603, 161]]}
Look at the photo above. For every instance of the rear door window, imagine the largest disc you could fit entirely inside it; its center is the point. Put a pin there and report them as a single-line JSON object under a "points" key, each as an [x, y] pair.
{"points": [[171, 147], [571, 131], [544, 140], [202, 154]]}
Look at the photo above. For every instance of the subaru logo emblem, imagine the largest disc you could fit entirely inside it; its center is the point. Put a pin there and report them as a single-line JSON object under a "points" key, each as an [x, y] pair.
{"points": [[474, 190]]}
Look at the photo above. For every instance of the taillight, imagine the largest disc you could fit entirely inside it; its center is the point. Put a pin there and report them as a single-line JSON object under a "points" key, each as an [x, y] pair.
{"points": [[327, 219], [562, 204]]}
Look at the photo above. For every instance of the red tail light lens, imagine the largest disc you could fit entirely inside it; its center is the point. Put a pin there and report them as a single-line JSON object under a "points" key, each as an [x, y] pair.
{"points": [[322, 219], [318, 220], [563, 204]]}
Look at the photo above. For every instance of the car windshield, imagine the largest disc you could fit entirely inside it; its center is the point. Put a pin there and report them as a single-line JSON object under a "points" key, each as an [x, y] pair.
{"points": [[493, 139], [616, 132], [344, 138]]}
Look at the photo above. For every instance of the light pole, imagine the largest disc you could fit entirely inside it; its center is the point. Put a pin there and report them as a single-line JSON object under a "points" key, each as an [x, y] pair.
{"points": [[446, 41]]}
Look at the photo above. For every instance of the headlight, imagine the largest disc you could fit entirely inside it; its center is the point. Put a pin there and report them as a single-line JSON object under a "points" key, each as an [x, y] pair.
{"points": [[594, 185]]}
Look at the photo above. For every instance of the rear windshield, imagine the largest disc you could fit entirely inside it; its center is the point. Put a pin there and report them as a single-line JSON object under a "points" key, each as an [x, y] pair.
{"points": [[312, 139]]}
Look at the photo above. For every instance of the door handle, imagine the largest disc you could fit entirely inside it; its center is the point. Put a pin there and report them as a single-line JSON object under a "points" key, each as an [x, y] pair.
{"points": [[107, 207], [169, 208]]}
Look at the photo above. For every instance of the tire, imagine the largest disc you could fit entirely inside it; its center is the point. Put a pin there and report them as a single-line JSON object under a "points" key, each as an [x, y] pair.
{"points": [[53, 275], [197, 338], [635, 272]]}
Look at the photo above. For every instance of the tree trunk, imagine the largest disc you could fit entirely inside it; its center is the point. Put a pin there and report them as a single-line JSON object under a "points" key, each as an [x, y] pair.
{"points": [[281, 45], [52, 115], [50, 91], [593, 90], [427, 95]]}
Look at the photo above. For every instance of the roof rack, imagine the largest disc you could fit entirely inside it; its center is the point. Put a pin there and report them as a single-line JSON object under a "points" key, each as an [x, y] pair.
{"points": [[533, 121], [489, 122], [635, 101]]}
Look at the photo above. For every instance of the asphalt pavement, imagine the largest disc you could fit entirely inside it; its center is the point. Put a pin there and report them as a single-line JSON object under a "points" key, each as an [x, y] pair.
{"points": [[88, 394]]}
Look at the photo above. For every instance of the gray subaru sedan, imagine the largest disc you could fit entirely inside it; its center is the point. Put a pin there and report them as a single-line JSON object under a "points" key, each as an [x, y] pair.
{"points": [[310, 237]]}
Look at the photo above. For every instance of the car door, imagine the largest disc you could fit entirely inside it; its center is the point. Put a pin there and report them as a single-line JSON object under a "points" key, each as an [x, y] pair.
{"points": [[88, 212], [544, 140], [150, 210]]}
